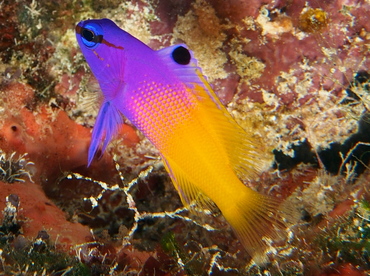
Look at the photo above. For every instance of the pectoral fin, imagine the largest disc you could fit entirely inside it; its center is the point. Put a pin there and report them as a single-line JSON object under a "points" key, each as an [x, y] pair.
{"points": [[106, 126]]}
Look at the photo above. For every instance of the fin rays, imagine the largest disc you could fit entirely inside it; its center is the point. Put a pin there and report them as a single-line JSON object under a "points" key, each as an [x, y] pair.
{"points": [[254, 218], [241, 148], [190, 194], [107, 123]]}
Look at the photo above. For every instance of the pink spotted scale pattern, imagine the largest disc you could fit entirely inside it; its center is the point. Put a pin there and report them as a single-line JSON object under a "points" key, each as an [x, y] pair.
{"points": [[158, 109]]}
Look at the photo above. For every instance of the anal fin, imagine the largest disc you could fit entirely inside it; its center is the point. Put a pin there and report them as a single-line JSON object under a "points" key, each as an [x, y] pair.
{"points": [[190, 194]]}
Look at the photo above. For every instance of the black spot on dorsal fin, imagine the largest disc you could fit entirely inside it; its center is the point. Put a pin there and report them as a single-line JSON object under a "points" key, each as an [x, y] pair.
{"points": [[181, 55]]}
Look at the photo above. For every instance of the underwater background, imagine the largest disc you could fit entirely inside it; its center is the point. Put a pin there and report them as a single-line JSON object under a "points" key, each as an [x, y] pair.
{"points": [[296, 73]]}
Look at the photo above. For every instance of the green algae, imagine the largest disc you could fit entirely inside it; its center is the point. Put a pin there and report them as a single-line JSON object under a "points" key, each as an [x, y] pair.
{"points": [[348, 240]]}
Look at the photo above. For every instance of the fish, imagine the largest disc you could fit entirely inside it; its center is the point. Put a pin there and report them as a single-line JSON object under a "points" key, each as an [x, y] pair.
{"points": [[165, 95]]}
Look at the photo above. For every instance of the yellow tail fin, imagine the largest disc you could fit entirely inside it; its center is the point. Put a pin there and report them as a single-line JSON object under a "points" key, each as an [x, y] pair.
{"points": [[254, 216]]}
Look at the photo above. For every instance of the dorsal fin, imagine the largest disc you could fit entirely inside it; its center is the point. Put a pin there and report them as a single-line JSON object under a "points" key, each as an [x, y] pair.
{"points": [[242, 147], [185, 72]]}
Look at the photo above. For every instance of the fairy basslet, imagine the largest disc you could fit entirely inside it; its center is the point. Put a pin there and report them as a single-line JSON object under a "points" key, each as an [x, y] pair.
{"points": [[164, 94]]}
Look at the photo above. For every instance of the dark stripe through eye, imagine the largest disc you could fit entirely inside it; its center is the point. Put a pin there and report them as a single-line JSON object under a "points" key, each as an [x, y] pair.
{"points": [[90, 36]]}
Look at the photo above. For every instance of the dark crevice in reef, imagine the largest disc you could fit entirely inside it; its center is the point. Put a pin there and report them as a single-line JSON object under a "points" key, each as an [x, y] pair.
{"points": [[352, 155], [302, 154], [354, 151]]}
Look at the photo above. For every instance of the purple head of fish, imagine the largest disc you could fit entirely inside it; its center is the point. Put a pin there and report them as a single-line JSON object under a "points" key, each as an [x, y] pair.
{"points": [[101, 42], [124, 66], [109, 51]]}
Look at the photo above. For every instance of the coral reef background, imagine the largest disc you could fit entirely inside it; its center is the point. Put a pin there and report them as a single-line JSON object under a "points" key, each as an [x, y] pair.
{"points": [[296, 72]]}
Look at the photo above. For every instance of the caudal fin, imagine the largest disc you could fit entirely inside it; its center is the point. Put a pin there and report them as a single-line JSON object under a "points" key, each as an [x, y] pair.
{"points": [[255, 216]]}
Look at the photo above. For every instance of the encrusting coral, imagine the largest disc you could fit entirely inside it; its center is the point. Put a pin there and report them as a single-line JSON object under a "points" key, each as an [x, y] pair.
{"points": [[296, 73]]}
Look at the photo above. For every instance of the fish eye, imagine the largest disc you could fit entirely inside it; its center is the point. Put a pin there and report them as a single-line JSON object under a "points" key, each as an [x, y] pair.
{"points": [[181, 55], [91, 34], [88, 35]]}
